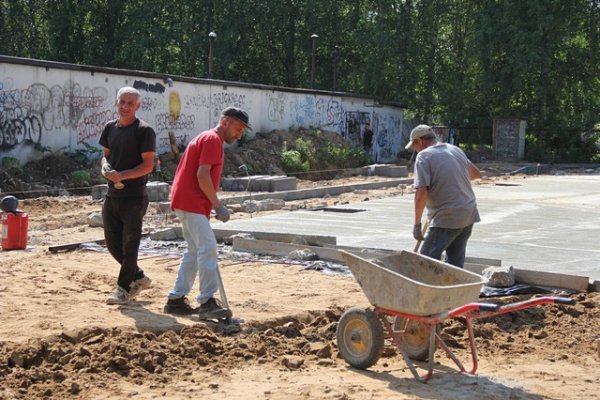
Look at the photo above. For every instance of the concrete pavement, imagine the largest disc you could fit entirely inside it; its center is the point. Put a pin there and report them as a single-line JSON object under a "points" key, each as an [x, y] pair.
{"points": [[546, 223]]}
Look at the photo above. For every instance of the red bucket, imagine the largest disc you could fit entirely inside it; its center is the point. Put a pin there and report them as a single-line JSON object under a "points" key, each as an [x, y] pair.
{"points": [[14, 230]]}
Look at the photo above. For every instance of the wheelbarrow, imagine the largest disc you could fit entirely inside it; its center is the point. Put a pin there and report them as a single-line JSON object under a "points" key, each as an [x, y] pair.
{"points": [[412, 295]]}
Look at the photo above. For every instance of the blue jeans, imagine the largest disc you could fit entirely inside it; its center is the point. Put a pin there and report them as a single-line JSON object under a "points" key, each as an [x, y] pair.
{"points": [[122, 218], [200, 258], [453, 241]]}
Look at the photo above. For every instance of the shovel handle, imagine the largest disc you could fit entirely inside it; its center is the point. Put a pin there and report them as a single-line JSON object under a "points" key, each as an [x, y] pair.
{"points": [[222, 289]]}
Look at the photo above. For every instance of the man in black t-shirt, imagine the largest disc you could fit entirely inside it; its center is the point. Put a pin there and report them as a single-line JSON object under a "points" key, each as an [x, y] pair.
{"points": [[129, 146]]}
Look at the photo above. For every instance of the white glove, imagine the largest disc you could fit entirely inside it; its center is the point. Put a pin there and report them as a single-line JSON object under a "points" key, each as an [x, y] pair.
{"points": [[107, 169]]}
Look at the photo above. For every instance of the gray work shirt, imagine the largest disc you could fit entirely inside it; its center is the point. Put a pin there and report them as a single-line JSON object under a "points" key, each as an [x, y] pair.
{"points": [[444, 170]]}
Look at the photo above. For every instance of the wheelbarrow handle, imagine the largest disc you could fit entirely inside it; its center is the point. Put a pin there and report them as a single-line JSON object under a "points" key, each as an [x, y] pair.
{"points": [[490, 307], [564, 300]]}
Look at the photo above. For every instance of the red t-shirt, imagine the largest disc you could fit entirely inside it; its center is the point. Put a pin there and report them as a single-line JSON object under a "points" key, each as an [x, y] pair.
{"points": [[204, 149]]}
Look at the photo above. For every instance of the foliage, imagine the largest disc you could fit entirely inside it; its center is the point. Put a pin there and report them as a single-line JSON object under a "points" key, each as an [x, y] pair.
{"points": [[80, 178], [86, 155], [307, 149], [344, 157], [10, 162], [292, 162], [308, 156], [456, 63]]}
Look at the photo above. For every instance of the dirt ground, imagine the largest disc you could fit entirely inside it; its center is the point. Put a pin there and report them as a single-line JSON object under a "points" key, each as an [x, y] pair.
{"points": [[58, 338]]}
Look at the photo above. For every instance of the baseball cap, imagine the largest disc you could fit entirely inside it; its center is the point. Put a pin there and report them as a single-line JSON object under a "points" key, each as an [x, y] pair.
{"points": [[418, 132], [238, 114]]}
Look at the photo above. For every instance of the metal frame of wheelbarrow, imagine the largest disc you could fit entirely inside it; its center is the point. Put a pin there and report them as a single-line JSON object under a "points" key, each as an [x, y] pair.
{"points": [[468, 311]]}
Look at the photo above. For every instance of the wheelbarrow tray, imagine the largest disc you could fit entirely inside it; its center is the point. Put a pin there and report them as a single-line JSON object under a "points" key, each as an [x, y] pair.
{"points": [[411, 283]]}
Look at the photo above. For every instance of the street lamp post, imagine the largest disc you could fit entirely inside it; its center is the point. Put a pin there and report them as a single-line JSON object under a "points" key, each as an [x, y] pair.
{"points": [[335, 54], [211, 38], [314, 59]]}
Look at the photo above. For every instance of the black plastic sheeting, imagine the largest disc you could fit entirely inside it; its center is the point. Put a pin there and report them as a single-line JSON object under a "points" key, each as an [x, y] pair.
{"points": [[521, 288]]}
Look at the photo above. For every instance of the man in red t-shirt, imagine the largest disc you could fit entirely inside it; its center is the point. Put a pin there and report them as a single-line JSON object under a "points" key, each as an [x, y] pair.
{"points": [[193, 196]]}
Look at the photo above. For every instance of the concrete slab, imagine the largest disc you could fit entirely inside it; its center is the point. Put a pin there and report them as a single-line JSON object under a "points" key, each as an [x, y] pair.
{"points": [[544, 223]]}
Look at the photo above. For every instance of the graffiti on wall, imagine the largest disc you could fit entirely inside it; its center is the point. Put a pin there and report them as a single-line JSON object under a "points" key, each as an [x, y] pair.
{"points": [[221, 100], [149, 87], [214, 103], [388, 137], [355, 126], [16, 125], [276, 106], [67, 108], [25, 114], [318, 113]]}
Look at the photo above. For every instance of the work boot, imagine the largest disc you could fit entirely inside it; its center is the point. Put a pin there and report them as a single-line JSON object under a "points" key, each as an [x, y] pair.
{"points": [[180, 306], [118, 296], [138, 285], [212, 309]]}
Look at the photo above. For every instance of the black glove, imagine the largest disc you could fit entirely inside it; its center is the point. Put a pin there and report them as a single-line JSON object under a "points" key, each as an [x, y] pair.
{"points": [[222, 213], [418, 233]]}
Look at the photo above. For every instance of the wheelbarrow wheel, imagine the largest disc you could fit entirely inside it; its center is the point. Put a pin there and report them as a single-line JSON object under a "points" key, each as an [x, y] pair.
{"points": [[414, 338], [360, 337]]}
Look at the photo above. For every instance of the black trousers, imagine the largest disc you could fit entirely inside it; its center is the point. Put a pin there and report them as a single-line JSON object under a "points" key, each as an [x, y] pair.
{"points": [[122, 218]]}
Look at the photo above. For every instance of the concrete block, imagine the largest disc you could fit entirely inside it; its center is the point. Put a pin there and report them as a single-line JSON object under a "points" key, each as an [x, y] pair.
{"points": [[282, 183], [595, 286], [379, 169], [397, 171], [163, 207], [158, 191], [313, 240], [99, 191], [239, 184], [392, 171], [167, 234], [260, 183]]}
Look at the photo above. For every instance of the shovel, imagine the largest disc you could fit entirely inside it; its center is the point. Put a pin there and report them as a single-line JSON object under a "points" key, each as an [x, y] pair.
{"points": [[229, 320]]}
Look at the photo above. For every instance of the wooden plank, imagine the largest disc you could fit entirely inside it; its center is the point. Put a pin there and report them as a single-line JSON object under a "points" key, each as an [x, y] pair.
{"points": [[364, 252], [72, 246], [483, 261], [552, 279], [476, 268], [541, 278], [281, 249], [313, 240]]}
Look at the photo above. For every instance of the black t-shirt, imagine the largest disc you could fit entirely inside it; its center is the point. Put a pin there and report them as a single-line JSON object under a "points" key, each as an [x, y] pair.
{"points": [[126, 146]]}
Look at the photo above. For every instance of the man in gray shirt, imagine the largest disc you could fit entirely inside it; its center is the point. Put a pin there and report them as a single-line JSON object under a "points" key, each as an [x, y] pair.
{"points": [[442, 180]]}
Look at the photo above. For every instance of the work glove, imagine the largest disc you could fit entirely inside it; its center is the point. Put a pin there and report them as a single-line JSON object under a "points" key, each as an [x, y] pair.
{"points": [[418, 232], [222, 213], [106, 168]]}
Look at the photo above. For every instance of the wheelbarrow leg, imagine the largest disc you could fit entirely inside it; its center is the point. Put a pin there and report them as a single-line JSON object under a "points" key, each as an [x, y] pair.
{"points": [[411, 365]]}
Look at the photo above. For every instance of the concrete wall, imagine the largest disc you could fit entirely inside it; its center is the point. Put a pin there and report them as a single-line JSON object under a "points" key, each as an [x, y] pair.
{"points": [[60, 106]]}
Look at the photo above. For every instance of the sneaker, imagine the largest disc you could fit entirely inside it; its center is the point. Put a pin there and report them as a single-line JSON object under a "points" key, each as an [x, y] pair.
{"points": [[180, 306], [138, 285], [212, 309], [118, 296]]}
